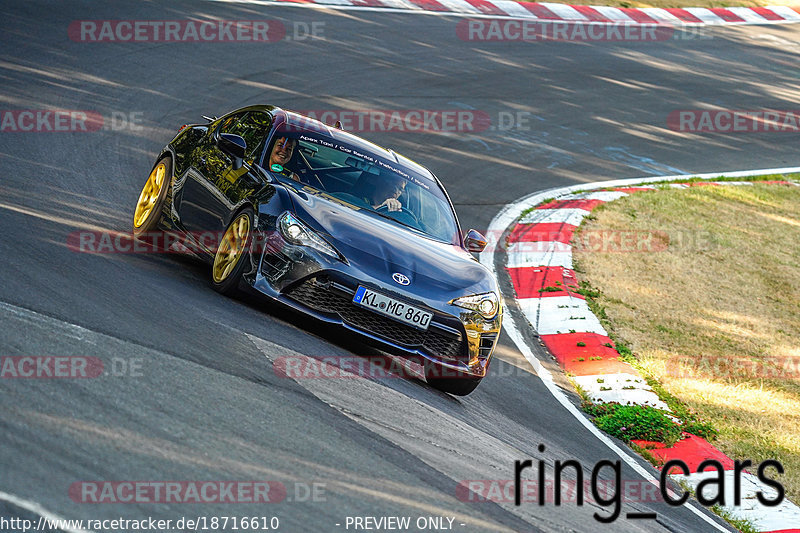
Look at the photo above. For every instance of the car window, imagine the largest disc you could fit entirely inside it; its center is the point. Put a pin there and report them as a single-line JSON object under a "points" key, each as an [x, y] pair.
{"points": [[365, 180], [230, 122], [252, 126]]}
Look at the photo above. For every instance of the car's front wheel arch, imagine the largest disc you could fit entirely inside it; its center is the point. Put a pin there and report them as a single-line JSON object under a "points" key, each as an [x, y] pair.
{"points": [[233, 250], [148, 211]]}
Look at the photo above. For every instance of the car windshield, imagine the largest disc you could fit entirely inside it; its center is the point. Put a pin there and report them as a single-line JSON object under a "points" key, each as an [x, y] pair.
{"points": [[364, 180]]}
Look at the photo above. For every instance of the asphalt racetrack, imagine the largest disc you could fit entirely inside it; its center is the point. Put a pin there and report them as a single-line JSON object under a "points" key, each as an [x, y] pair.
{"points": [[189, 392]]}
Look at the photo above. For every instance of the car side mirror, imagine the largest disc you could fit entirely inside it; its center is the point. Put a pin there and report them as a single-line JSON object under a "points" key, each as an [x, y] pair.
{"points": [[232, 144], [474, 241]]}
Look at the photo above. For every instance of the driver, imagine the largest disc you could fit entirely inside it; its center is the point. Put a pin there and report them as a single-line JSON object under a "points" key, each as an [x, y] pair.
{"points": [[282, 152], [384, 192]]}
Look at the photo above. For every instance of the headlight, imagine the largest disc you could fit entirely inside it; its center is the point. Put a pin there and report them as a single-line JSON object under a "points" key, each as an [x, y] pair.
{"points": [[296, 232], [487, 304]]}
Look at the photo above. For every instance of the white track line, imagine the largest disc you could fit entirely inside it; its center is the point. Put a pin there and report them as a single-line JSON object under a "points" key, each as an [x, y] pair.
{"points": [[460, 6], [614, 13], [785, 516], [751, 16], [515, 9], [552, 315], [706, 15], [665, 16], [34, 507], [569, 216], [542, 253], [564, 11], [507, 216], [784, 11], [622, 388], [603, 196]]}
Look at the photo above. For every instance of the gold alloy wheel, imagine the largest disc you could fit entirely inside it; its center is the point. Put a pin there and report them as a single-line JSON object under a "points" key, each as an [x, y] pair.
{"points": [[149, 196], [231, 248]]}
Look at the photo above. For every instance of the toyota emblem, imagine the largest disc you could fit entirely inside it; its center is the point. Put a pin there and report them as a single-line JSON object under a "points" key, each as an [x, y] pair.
{"points": [[401, 278]]}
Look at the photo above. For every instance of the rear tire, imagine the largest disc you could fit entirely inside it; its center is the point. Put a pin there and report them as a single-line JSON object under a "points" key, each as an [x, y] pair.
{"points": [[147, 214], [231, 257]]}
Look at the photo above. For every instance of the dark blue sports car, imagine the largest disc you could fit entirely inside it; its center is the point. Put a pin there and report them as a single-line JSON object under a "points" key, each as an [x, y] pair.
{"points": [[333, 226]]}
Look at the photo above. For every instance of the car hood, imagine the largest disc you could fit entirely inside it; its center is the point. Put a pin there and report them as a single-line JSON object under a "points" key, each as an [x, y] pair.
{"points": [[380, 248]]}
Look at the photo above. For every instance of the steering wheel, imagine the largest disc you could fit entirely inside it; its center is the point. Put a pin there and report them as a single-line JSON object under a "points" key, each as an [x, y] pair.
{"points": [[319, 185], [405, 210]]}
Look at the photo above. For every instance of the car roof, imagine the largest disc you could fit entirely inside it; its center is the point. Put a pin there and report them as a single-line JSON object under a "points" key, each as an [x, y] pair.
{"points": [[316, 126], [322, 128]]}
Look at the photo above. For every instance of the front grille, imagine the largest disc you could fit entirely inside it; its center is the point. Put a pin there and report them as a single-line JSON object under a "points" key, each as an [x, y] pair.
{"points": [[317, 296], [320, 295]]}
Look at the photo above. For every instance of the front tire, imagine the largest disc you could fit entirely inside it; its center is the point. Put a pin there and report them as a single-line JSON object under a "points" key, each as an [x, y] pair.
{"points": [[147, 215], [230, 259]]}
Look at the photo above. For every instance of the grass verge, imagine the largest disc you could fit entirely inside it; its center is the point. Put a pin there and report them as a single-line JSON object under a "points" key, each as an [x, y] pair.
{"points": [[712, 318]]}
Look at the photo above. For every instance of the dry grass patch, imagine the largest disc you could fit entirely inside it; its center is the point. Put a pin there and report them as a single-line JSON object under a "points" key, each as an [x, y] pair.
{"points": [[714, 315]]}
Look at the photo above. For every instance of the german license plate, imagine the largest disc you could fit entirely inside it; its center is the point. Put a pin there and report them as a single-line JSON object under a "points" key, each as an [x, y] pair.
{"points": [[384, 305]]}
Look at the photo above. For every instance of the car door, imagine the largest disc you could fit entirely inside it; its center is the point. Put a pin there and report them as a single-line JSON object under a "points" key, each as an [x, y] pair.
{"points": [[215, 188]]}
